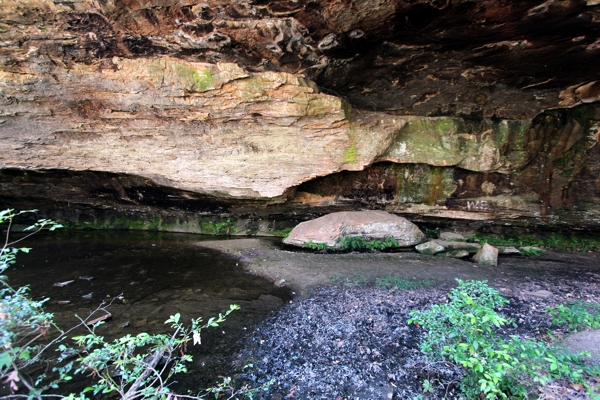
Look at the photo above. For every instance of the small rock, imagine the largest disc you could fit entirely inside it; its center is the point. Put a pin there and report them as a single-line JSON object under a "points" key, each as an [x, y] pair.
{"points": [[63, 284], [487, 255], [451, 236], [455, 254], [280, 283], [430, 248], [508, 250], [451, 246], [387, 393], [542, 294], [87, 296], [584, 341]]}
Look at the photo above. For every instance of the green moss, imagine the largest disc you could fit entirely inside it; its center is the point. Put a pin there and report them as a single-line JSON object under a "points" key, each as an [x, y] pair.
{"points": [[351, 153], [194, 80], [445, 126], [419, 183], [317, 107], [254, 87], [350, 156]]}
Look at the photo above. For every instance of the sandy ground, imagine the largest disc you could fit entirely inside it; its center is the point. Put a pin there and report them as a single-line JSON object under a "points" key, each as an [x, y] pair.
{"points": [[305, 271], [342, 337]]}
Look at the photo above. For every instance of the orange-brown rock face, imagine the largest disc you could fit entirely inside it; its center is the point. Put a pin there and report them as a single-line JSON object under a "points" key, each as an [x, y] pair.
{"points": [[467, 109]]}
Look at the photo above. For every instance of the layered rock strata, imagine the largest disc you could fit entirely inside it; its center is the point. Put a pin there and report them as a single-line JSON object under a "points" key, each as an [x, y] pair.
{"points": [[455, 110]]}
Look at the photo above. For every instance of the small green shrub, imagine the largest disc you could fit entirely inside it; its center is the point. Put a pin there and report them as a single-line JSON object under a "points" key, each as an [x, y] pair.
{"points": [[135, 366], [394, 282], [357, 243], [577, 316], [224, 227], [354, 243], [318, 246], [464, 331]]}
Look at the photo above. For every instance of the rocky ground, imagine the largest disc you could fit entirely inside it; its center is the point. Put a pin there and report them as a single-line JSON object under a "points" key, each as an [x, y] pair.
{"points": [[351, 340]]}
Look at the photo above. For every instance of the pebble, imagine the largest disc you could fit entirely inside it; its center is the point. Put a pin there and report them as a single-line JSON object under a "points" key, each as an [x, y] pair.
{"points": [[542, 294]]}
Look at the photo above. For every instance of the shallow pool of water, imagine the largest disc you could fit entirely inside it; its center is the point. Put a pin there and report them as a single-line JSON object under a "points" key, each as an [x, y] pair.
{"points": [[148, 276]]}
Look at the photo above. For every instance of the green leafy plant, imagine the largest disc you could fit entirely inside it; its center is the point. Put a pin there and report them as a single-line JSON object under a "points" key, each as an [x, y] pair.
{"points": [[464, 331], [354, 243], [224, 227], [136, 367], [577, 316], [318, 246], [22, 320], [357, 243], [432, 233], [284, 233]]}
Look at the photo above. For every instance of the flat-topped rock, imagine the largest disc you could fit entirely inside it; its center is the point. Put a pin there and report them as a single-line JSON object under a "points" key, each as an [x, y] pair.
{"points": [[450, 236], [369, 225], [452, 246], [430, 248], [454, 254]]}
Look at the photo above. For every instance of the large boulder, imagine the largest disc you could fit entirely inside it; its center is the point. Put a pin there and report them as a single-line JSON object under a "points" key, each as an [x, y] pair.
{"points": [[369, 225], [584, 341]]}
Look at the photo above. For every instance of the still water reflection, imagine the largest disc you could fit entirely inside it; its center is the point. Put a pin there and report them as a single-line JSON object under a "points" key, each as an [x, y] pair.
{"points": [[152, 276]]}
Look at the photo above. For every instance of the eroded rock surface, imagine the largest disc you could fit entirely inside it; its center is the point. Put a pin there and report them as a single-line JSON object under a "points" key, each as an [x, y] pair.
{"points": [[455, 110]]}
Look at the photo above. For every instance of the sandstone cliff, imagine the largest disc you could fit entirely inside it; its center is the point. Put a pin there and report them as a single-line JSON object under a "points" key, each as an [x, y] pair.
{"points": [[162, 110]]}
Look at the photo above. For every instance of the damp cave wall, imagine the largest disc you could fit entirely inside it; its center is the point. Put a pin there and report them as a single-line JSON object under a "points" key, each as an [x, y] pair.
{"points": [[248, 117]]}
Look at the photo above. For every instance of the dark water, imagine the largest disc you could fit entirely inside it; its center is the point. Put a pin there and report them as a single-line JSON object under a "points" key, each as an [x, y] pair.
{"points": [[148, 276]]}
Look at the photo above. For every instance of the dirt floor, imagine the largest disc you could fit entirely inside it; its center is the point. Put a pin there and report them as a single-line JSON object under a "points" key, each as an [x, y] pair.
{"points": [[343, 337]]}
